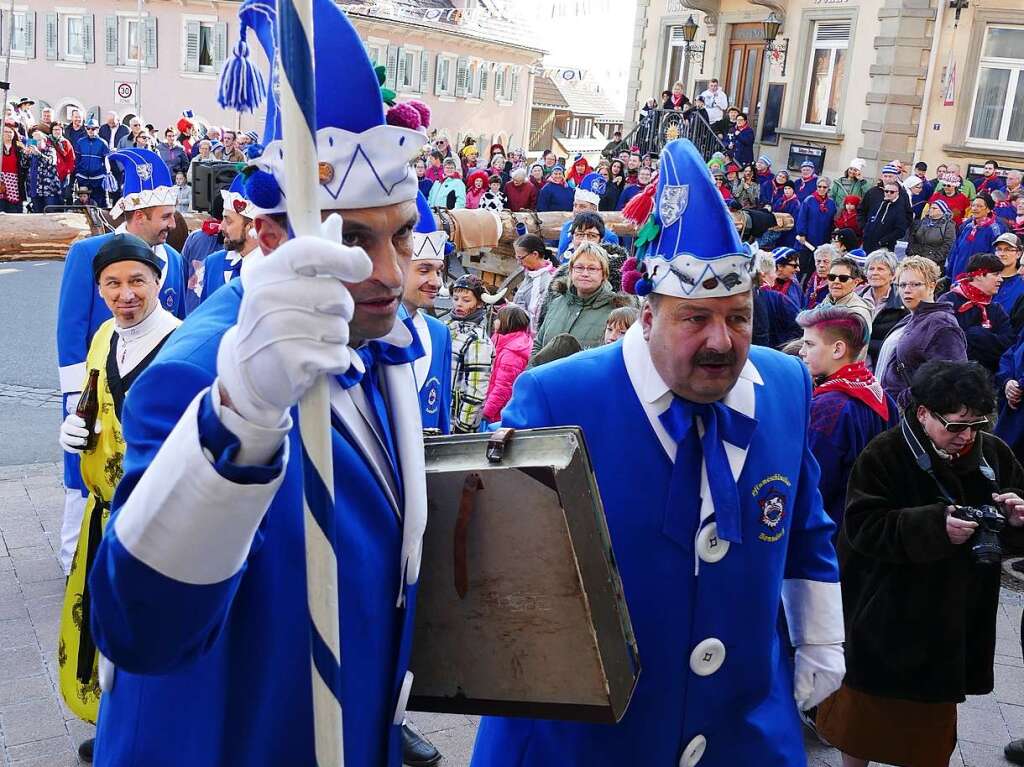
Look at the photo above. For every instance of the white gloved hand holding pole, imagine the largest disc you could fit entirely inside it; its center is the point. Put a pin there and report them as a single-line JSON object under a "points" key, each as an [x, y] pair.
{"points": [[818, 672], [74, 435], [292, 325]]}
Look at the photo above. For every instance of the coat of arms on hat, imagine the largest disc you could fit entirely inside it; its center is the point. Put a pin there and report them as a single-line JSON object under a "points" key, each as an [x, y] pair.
{"points": [[145, 171], [674, 198], [599, 187]]}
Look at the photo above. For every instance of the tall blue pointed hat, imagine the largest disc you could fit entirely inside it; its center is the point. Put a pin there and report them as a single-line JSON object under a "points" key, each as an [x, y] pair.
{"points": [[236, 199], [428, 242], [147, 181], [591, 188], [364, 156], [690, 248]]}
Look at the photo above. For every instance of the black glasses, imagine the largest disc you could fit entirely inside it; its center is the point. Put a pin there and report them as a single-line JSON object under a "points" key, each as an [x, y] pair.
{"points": [[891, 191], [790, 263], [844, 278], [958, 427]]}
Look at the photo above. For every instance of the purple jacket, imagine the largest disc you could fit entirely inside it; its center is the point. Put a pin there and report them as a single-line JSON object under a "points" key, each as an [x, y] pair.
{"points": [[931, 332]]}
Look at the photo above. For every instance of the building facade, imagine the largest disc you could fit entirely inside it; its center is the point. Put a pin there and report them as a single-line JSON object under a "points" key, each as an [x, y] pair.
{"points": [[68, 54], [571, 117], [882, 80]]}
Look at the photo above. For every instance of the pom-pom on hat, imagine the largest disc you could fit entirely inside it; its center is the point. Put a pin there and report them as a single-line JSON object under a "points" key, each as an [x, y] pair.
{"points": [[591, 188], [694, 249], [363, 161], [147, 181], [428, 242]]}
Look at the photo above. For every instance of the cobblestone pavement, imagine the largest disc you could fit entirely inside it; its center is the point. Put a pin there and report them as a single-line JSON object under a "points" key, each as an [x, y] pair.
{"points": [[37, 730]]}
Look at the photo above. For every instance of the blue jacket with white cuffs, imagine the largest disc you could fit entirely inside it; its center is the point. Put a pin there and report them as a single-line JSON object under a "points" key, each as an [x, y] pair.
{"points": [[81, 311], [199, 590], [716, 685]]}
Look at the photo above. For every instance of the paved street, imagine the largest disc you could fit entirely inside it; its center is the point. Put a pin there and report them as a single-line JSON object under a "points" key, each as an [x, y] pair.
{"points": [[29, 390], [36, 730]]}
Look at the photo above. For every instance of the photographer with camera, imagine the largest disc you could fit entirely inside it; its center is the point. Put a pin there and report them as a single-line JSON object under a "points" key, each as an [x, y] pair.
{"points": [[929, 505]]}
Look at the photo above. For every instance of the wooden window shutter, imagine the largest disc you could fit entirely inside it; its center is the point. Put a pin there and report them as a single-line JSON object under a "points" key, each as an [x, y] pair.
{"points": [[461, 75], [391, 73], [424, 72], [50, 36], [515, 83], [220, 45], [191, 46], [89, 35], [149, 41], [110, 48], [438, 80], [485, 69], [401, 69], [30, 34]]}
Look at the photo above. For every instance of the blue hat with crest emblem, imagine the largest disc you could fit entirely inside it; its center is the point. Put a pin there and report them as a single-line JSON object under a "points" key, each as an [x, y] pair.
{"points": [[689, 248], [591, 189], [147, 181]]}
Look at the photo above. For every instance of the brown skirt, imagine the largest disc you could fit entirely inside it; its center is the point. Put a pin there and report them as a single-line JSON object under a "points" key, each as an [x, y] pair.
{"points": [[888, 730]]}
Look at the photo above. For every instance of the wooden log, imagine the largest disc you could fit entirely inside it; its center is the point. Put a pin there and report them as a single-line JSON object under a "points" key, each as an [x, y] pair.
{"points": [[30, 236]]}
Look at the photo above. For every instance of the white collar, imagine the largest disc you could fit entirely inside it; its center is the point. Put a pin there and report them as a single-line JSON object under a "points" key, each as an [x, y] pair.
{"points": [[233, 257], [649, 385], [156, 319]]}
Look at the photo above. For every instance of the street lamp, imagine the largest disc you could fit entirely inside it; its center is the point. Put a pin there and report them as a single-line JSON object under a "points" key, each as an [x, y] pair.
{"points": [[691, 50], [771, 26]]}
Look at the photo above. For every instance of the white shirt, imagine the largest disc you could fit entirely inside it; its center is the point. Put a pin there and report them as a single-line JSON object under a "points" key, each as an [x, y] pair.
{"points": [[421, 366], [136, 342], [715, 102]]}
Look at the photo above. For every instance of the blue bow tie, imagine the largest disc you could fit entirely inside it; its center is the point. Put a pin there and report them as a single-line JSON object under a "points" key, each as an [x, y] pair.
{"points": [[720, 422], [376, 353]]}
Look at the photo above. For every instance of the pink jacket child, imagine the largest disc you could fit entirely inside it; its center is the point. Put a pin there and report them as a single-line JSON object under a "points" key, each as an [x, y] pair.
{"points": [[513, 343]]}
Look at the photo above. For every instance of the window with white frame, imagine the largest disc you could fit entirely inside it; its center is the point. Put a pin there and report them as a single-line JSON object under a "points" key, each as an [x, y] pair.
{"points": [[133, 50], [444, 82], [377, 50], [574, 131], [19, 33], [826, 74], [72, 36], [997, 115], [206, 56], [409, 68], [502, 82]]}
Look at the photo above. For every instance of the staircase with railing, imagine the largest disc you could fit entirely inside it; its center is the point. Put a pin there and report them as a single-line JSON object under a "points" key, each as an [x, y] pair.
{"points": [[659, 126]]}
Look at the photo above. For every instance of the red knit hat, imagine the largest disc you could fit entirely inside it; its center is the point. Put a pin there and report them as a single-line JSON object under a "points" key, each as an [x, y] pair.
{"points": [[481, 174], [851, 199]]}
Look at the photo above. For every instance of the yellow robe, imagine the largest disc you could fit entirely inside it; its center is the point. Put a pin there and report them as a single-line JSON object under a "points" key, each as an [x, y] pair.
{"points": [[101, 470]]}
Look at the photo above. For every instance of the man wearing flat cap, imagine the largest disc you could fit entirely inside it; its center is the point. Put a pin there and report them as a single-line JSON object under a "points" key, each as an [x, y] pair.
{"points": [[127, 274]]}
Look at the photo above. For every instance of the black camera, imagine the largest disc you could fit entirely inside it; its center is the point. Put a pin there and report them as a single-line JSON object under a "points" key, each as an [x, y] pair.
{"points": [[985, 546]]}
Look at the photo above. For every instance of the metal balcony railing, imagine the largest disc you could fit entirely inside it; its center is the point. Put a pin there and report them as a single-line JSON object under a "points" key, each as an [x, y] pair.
{"points": [[659, 126]]}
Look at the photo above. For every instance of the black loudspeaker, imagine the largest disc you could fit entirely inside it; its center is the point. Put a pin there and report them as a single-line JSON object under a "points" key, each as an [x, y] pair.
{"points": [[208, 179]]}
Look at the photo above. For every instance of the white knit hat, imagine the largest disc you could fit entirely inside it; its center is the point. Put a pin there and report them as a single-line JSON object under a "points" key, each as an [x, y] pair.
{"points": [[856, 163]]}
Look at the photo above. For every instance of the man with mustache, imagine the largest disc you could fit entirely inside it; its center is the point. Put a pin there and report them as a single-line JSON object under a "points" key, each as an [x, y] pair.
{"points": [[199, 589], [148, 210], [714, 512]]}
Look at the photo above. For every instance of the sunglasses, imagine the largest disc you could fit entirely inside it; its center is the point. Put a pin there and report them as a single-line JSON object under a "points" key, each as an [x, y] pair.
{"points": [[891, 191], [958, 427], [844, 278]]}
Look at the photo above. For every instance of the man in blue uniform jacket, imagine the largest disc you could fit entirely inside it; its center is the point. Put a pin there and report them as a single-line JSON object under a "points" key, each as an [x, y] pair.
{"points": [[422, 283], [199, 586], [90, 168], [699, 445], [148, 210], [240, 242]]}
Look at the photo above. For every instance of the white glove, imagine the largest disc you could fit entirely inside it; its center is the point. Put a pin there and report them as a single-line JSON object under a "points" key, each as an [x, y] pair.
{"points": [[292, 325], [819, 671], [74, 435]]}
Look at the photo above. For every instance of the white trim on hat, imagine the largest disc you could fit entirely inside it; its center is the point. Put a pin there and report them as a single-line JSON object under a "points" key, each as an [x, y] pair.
{"points": [[699, 278], [428, 246], [585, 195], [229, 197], [147, 198], [362, 170]]}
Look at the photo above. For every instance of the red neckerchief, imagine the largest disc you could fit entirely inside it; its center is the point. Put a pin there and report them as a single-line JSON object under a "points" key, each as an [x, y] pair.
{"points": [[855, 380], [974, 297], [975, 226], [677, 100], [985, 182], [822, 199]]}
